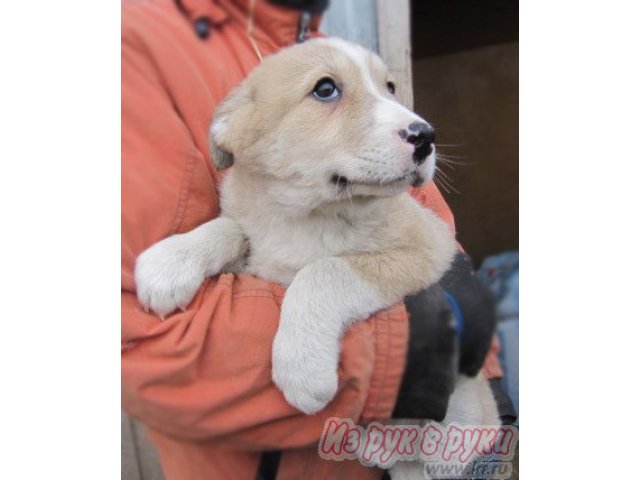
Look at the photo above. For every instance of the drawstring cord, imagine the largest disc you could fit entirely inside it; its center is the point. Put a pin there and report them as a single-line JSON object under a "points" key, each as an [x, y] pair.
{"points": [[252, 41], [304, 33]]}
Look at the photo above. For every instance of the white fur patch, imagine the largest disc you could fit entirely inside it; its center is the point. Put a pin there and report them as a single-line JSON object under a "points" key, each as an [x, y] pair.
{"points": [[169, 273], [323, 300], [218, 128], [387, 110], [471, 403]]}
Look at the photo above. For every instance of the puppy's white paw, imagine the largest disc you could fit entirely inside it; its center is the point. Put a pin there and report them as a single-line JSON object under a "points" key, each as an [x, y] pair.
{"points": [[323, 300], [168, 275], [408, 471], [308, 382], [305, 360]]}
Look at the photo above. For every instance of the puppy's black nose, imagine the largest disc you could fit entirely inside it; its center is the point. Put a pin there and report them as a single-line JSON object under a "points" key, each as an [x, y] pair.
{"points": [[422, 136]]}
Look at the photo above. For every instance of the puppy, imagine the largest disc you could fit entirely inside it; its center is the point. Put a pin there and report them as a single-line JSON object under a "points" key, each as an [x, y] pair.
{"points": [[322, 156]]}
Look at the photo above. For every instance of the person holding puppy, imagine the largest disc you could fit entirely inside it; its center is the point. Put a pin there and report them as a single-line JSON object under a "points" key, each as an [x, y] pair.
{"points": [[201, 380]]}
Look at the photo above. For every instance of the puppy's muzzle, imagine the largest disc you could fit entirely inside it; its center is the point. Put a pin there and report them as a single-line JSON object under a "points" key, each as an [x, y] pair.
{"points": [[422, 136]]}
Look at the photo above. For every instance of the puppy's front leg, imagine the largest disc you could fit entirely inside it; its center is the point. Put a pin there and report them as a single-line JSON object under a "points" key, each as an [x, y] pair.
{"points": [[327, 296], [169, 273], [324, 298]]}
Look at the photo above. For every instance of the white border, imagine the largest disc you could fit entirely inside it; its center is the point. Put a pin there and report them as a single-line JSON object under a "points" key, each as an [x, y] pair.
{"points": [[59, 191], [579, 104]]}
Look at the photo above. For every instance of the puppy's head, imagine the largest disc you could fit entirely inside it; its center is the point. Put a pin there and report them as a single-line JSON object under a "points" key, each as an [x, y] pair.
{"points": [[322, 118]]}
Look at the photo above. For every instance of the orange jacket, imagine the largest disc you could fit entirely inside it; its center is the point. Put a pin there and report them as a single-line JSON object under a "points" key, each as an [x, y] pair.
{"points": [[201, 379]]}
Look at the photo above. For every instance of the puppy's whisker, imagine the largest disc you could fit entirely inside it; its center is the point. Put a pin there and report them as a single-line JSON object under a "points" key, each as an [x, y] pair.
{"points": [[442, 182], [449, 161], [449, 183], [438, 182], [446, 155], [349, 193], [451, 168], [439, 170]]}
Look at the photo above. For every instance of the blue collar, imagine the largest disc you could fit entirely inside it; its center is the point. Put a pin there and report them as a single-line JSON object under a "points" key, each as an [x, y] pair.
{"points": [[457, 312]]}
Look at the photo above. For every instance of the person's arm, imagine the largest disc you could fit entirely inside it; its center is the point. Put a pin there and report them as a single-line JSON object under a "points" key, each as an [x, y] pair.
{"points": [[205, 373], [452, 325], [479, 346]]}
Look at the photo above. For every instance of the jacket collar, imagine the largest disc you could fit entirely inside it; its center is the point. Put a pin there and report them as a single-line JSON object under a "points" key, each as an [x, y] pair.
{"points": [[272, 24], [278, 24]]}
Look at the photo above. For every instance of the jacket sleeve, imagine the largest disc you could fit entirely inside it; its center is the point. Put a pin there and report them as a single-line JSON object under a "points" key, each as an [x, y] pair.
{"points": [[206, 373], [430, 197]]}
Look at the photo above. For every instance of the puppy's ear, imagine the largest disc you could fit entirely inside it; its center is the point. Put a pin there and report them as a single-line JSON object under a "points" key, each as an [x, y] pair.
{"points": [[225, 127]]}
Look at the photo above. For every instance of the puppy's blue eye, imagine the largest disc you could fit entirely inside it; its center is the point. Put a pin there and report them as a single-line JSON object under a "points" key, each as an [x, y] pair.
{"points": [[326, 90]]}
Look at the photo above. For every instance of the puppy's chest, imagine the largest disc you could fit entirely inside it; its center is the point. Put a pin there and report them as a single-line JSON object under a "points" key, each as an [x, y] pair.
{"points": [[279, 248]]}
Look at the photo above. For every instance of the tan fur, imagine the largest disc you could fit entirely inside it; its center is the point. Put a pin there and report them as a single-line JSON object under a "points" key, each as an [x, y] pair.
{"points": [[411, 261]]}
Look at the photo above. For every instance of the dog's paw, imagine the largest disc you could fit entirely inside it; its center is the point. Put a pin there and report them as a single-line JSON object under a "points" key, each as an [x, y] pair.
{"points": [[305, 356], [308, 382], [408, 471], [168, 275], [306, 349]]}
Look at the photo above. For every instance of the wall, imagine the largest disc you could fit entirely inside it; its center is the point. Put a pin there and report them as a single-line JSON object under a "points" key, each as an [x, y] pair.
{"points": [[471, 97]]}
